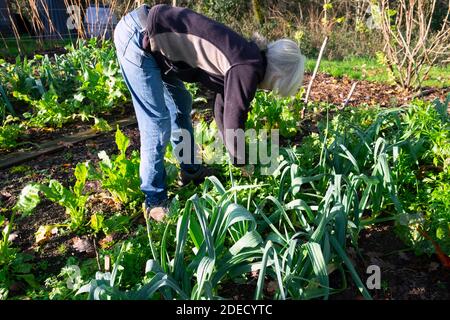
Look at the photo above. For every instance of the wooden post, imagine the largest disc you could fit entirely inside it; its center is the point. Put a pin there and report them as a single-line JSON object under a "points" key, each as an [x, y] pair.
{"points": [[350, 94], [107, 263], [316, 69]]}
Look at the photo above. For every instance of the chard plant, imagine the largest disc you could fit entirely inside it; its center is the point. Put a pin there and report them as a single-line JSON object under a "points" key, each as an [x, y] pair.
{"points": [[80, 84], [271, 112], [72, 199], [120, 174], [15, 266]]}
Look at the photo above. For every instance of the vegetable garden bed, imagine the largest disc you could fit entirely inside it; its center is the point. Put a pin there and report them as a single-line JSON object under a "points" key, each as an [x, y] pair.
{"points": [[407, 275], [356, 187]]}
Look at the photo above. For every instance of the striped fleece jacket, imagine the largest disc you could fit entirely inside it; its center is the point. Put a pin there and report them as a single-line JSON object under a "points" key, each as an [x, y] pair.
{"points": [[198, 49]]}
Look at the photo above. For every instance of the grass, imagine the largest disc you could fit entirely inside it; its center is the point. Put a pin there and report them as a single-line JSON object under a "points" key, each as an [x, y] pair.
{"points": [[28, 46], [369, 69]]}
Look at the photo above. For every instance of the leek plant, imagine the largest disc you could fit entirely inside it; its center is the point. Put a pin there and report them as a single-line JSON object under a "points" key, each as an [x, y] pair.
{"points": [[296, 234], [222, 239]]}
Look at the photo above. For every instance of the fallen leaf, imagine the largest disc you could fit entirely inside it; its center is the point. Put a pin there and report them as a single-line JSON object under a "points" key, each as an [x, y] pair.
{"points": [[5, 194], [44, 233], [106, 242], [91, 144], [158, 214], [110, 202], [65, 144], [82, 245], [13, 236]]}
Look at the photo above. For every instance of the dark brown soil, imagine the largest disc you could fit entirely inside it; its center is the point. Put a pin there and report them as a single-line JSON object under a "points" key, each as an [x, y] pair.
{"points": [[35, 136], [238, 291], [404, 275], [30, 55], [335, 91]]}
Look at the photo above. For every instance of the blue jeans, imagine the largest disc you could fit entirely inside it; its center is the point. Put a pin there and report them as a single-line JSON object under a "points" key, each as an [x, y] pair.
{"points": [[162, 106]]}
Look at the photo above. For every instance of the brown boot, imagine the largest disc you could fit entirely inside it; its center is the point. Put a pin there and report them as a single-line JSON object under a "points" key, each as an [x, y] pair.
{"points": [[157, 212]]}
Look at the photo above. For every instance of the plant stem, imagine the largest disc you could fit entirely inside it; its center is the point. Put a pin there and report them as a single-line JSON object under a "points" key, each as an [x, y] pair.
{"points": [[316, 69]]}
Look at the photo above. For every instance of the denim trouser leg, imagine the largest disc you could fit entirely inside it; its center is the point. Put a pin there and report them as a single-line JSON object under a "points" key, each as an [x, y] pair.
{"points": [[162, 106], [179, 103]]}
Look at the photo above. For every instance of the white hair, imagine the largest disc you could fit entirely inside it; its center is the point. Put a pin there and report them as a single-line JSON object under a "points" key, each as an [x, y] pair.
{"points": [[285, 67]]}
